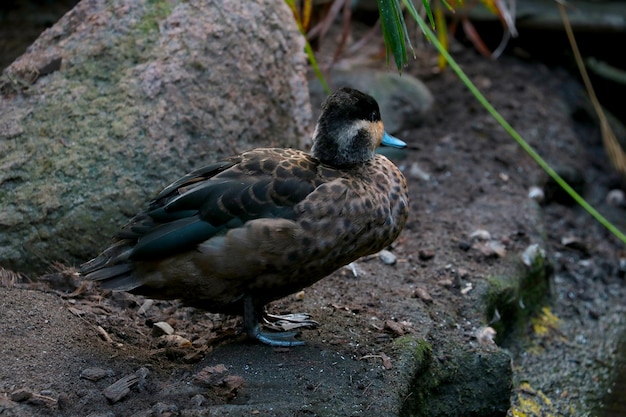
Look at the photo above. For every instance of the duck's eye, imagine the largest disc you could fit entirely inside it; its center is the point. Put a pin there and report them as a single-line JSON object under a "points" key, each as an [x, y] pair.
{"points": [[374, 116]]}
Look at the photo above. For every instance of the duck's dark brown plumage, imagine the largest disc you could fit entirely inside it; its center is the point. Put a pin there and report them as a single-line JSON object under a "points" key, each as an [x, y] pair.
{"points": [[237, 234]]}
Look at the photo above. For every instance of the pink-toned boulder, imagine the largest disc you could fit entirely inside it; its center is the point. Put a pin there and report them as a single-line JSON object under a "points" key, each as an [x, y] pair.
{"points": [[120, 98]]}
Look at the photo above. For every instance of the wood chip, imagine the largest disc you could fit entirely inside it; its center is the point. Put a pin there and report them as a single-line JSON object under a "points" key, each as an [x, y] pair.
{"points": [[173, 340], [467, 288], [103, 333], [480, 235], [120, 388], [491, 248], [145, 306], [196, 355], [76, 312], [395, 327], [386, 361]]}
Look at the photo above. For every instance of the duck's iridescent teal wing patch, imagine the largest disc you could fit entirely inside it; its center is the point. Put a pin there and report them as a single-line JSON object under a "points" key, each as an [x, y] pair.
{"points": [[215, 198]]}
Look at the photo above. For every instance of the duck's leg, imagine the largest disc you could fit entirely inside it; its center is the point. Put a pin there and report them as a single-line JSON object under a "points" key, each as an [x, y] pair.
{"points": [[251, 315]]}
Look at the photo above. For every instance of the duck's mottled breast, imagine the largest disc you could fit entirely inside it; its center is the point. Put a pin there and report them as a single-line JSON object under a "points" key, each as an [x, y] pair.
{"points": [[353, 213]]}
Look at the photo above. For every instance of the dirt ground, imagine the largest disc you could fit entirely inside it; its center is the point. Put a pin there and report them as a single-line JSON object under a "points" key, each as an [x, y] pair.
{"points": [[65, 342]]}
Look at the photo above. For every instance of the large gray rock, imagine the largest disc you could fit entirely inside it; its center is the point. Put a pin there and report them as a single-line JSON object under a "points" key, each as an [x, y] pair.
{"points": [[120, 98]]}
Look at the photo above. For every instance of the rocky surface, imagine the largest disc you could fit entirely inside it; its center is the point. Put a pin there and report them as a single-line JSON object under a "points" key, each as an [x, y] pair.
{"points": [[463, 307], [117, 99]]}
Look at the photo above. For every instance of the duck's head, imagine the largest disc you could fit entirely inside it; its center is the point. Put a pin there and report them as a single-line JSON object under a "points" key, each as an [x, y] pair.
{"points": [[350, 129]]}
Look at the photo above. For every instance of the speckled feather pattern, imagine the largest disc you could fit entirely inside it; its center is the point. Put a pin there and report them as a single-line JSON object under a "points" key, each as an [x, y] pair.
{"points": [[329, 218]]}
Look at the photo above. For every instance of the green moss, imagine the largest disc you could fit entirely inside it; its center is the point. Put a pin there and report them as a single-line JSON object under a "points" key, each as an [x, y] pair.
{"points": [[512, 298], [420, 349], [454, 380], [158, 10]]}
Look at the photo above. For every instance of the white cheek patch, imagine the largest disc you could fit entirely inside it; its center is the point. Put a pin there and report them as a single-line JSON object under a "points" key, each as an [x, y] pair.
{"points": [[375, 129]]}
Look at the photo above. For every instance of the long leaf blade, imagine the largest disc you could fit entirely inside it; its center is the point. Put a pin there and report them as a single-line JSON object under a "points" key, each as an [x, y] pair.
{"points": [[394, 29]]}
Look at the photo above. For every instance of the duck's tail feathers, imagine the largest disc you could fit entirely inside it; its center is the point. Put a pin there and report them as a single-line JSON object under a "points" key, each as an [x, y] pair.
{"points": [[112, 268]]}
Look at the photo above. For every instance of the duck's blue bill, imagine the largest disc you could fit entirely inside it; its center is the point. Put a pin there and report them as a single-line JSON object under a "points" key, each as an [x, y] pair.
{"points": [[392, 141]]}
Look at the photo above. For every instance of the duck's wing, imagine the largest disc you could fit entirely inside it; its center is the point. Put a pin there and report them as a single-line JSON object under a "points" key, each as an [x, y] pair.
{"points": [[211, 200]]}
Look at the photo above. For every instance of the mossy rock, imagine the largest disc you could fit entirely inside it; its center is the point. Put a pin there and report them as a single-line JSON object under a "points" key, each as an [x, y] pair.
{"points": [[447, 379]]}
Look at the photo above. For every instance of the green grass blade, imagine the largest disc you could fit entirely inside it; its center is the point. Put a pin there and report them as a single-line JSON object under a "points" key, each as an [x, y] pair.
{"points": [[309, 51], [429, 11], [316, 68]]}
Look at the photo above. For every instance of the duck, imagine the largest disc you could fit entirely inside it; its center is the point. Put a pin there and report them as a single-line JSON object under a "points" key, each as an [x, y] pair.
{"points": [[252, 228]]}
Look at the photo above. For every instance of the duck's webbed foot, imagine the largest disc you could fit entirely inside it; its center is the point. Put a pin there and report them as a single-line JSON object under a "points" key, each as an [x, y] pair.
{"points": [[281, 339], [251, 316]]}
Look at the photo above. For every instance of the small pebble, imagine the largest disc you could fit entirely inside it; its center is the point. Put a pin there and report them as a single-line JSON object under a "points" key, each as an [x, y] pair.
{"points": [[464, 246], [163, 409], [536, 193], [480, 234], [616, 198], [387, 257], [356, 271], [594, 314], [446, 282], [422, 294], [575, 243], [21, 394], [415, 171], [198, 400], [161, 328], [63, 401], [426, 254], [622, 263], [95, 374], [532, 253]]}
